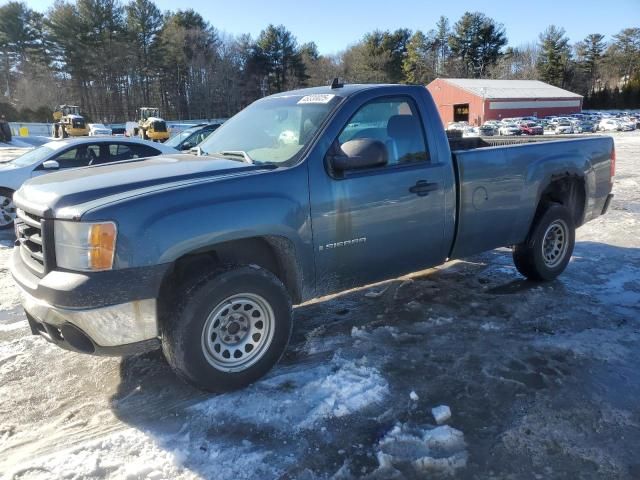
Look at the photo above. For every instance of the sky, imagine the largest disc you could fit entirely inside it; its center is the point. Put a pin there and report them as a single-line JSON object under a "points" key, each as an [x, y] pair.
{"points": [[334, 25]]}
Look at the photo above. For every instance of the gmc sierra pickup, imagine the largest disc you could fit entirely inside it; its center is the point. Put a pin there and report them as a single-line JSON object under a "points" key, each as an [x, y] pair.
{"points": [[301, 194]]}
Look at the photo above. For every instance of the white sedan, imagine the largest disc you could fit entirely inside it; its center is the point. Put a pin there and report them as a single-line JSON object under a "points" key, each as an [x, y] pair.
{"points": [[509, 129], [65, 154], [98, 129], [609, 125]]}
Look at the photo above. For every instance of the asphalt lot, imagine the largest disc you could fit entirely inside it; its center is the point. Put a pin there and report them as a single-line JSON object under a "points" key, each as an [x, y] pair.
{"points": [[541, 379]]}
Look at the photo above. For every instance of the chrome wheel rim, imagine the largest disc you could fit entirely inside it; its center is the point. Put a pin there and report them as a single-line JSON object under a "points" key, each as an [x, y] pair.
{"points": [[7, 211], [555, 243], [238, 332]]}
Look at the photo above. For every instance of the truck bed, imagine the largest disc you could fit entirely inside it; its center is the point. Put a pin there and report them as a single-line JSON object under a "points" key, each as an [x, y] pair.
{"points": [[500, 180], [471, 143]]}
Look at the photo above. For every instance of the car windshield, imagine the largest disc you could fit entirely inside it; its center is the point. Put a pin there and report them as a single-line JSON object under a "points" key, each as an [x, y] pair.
{"points": [[273, 130], [183, 135], [33, 156]]}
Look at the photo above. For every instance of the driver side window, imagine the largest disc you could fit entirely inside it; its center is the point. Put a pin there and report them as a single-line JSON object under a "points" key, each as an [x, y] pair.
{"points": [[79, 156], [393, 121]]}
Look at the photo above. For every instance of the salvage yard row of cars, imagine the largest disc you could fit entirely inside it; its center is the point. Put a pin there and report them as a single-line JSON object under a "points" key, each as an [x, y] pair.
{"points": [[575, 123]]}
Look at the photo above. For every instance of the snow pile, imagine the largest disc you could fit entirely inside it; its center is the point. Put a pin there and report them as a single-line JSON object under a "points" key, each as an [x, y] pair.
{"points": [[319, 341], [16, 143], [299, 399], [441, 414], [131, 454], [8, 290], [439, 450], [15, 355]]}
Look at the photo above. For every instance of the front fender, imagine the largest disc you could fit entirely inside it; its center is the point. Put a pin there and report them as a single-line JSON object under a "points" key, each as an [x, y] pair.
{"points": [[162, 226]]}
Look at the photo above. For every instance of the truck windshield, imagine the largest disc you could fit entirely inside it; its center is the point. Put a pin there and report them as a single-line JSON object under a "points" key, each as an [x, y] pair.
{"points": [[272, 130]]}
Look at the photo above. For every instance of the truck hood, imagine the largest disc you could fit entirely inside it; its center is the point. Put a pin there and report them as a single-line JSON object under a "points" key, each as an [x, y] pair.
{"points": [[70, 193]]}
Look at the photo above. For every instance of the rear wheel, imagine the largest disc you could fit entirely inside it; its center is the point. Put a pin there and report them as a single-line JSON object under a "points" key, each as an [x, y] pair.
{"points": [[548, 249], [7, 209], [228, 329]]}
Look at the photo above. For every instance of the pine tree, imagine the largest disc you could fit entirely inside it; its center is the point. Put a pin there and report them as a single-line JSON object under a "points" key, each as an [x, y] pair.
{"points": [[416, 67], [554, 57]]}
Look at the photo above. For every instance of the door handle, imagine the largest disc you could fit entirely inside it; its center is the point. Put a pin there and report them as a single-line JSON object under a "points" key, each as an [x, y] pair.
{"points": [[422, 188]]}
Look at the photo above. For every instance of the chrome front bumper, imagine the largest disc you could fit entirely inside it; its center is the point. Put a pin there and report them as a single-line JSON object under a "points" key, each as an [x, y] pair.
{"points": [[113, 326]]}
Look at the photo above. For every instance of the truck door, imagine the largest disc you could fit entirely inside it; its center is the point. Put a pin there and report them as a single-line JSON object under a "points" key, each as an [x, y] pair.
{"points": [[376, 223]]}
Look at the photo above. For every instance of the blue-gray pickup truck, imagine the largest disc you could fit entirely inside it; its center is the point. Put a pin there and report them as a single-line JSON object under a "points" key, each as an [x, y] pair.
{"points": [[301, 194]]}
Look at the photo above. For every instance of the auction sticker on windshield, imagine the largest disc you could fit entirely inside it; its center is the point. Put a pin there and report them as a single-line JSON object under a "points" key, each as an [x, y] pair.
{"points": [[317, 98]]}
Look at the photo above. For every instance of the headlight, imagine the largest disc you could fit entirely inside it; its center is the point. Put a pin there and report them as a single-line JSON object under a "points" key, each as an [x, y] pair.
{"points": [[85, 246]]}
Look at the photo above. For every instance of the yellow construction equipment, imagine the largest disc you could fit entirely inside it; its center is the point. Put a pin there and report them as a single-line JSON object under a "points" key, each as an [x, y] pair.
{"points": [[68, 122], [151, 126]]}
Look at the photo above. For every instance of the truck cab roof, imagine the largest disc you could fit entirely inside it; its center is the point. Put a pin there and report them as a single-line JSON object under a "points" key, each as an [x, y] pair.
{"points": [[342, 91]]}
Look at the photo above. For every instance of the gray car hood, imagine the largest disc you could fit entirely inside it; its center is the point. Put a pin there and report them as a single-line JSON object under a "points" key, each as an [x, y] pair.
{"points": [[55, 194]]}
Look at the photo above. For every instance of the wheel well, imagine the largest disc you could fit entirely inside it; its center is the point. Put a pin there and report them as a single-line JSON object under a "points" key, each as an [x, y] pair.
{"points": [[567, 190], [276, 254]]}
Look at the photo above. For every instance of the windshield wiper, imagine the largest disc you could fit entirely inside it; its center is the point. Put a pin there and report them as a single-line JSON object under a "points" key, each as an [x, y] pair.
{"points": [[236, 154]]}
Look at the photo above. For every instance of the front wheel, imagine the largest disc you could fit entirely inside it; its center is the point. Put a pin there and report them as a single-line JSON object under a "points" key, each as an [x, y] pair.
{"points": [[547, 251], [7, 209], [228, 329]]}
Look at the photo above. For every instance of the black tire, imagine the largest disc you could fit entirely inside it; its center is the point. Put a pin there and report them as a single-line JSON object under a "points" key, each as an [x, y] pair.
{"points": [[542, 261], [190, 351], [6, 210]]}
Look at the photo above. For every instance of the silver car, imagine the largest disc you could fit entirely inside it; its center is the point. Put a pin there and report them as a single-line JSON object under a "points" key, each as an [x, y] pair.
{"points": [[65, 154]]}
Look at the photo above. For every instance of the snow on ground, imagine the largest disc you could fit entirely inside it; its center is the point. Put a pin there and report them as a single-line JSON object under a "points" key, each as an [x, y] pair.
{"points": [[541, 380], [16, 142]]}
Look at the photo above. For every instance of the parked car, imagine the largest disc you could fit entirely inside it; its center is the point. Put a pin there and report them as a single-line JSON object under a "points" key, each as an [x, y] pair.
{"points": [[63, 155], [117, 129], [563, 127], [531, 128], [204, 256], [509, 129], [627, 124], [585, 126], [609, 125], [486, 130], [191, 137], [457, 126], [98, 129]]}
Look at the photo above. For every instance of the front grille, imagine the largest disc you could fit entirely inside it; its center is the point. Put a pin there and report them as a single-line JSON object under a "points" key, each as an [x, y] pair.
{"points": [[29, 231]]}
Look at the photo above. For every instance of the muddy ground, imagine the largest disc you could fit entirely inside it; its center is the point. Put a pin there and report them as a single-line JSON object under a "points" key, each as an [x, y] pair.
{"points": [[542, 380]]}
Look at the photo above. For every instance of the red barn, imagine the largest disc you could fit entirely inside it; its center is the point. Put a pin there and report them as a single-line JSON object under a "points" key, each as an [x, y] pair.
{"points": [[478, 100]]}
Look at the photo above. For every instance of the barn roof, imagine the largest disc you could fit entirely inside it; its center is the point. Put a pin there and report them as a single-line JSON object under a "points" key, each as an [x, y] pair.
{"points": [[510, 88]]}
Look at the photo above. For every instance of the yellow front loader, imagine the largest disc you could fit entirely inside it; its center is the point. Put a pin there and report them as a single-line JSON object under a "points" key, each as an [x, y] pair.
{"points": [[67, 122], [151, 126]]}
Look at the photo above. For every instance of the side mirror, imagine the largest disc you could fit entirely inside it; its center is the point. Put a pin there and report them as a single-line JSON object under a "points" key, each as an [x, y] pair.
{"points": [[360, 153], [197, 151], [50, 165]]}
